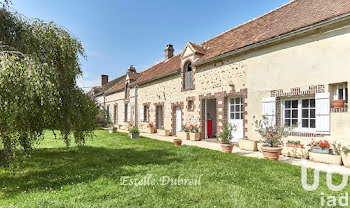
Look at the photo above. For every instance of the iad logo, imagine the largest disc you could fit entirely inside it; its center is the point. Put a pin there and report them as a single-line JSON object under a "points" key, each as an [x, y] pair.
{"points": [[330, 200]]}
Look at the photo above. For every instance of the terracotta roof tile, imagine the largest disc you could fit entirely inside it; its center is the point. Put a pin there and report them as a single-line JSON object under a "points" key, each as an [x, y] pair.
{"points": [[160, 69], [290, 17]]}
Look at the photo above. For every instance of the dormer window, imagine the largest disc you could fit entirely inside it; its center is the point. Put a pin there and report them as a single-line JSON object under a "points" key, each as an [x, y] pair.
{"points": [[188, 79]]}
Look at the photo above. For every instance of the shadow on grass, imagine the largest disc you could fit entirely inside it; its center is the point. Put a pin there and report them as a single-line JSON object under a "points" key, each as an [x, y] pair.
{"points": [[57, 167]]}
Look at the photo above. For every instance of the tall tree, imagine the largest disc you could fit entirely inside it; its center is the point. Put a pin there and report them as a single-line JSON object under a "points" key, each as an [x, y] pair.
{"points": [[39, 65]]}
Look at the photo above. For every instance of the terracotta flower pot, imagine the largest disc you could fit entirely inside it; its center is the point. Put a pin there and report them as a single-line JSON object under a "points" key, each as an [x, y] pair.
{"points": [[177, 142], [338, 103], [271, 153], [227, 148]]}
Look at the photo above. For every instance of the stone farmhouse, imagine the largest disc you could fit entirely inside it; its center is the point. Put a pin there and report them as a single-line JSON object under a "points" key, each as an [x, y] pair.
{"points": [[291, 65]]}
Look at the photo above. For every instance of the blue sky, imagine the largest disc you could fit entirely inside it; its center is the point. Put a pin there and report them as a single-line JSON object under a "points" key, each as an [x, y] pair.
{"points": [[117, 34]]}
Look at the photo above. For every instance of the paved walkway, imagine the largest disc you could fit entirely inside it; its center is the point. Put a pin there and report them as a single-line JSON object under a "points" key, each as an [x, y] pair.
{"points": [[236, 150]]}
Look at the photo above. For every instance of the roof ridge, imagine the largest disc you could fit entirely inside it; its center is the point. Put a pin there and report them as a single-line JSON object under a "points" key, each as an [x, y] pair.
{"points": [[240, 25]]}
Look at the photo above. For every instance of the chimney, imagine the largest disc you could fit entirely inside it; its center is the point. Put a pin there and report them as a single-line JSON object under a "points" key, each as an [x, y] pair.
{"points": [[169, 51], [132, 69], [104, 79]]}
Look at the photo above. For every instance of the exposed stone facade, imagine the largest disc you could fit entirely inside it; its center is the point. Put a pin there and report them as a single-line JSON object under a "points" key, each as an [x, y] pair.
{"points": [[299, 66]]}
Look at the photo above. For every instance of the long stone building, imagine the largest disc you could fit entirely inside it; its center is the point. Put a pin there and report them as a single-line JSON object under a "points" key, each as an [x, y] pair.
{"points": [[289, 65]]}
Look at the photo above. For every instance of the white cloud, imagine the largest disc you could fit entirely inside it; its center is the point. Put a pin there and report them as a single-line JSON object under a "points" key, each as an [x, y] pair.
{"points": [[92, 53]]}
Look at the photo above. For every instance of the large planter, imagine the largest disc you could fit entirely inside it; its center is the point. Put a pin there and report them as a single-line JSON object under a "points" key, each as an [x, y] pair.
{"points": [[134, 135], [245, 144], [195, 136], [271, 153], [325, 158], [295, 145], [163, 132], [346, 159], [183, 135], [320, 150], [338, 103], [226, 148], [295, 152], [148, 130], [177, 142], [112, 130]]}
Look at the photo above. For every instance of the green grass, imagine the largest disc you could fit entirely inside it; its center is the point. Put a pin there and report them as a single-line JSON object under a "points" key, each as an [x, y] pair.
{"points": [[89, 176]]}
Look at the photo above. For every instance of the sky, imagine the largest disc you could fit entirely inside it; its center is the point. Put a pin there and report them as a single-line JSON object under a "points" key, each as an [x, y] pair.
{"points": [[117, 34]]}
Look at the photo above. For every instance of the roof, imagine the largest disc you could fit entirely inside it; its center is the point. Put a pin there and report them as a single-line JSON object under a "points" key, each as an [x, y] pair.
{"points": [[160, 69], [290, 17], [110, 84]]}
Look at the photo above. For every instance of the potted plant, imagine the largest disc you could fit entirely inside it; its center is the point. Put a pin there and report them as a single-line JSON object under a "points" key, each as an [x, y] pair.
{"points": [[149, 128], [194, 132], [294, 143], [319, 153], [134, 132], [177, 142], [322, 147], [271, 138], [225, 137], [112, 129], [338, 103], [184, 133], [345, 156], [163, 132]]}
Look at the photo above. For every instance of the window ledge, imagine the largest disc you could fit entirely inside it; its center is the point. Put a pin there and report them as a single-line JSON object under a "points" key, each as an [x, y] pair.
{"points": [[306, 134], [339, 110]]}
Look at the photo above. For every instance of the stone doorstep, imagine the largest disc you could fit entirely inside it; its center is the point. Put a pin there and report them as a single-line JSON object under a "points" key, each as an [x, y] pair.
{"points": [[293, 161]]}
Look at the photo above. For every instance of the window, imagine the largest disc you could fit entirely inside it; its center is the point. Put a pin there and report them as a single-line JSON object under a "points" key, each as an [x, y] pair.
{"points": [[126, 112], [341, 92], [236, 108], [300, 113], [146, 113], [190, 105], [188, 76]]}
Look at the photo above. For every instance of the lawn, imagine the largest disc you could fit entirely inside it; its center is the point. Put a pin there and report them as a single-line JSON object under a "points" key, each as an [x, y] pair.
{"points": [[90, 176]]}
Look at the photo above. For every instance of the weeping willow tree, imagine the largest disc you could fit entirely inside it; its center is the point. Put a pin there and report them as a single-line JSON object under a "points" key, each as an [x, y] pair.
{"points": [[39, 65]]}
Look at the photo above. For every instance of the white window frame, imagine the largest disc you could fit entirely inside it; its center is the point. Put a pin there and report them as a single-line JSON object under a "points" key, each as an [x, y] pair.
{"points": [[300, 107], [337, 87]]}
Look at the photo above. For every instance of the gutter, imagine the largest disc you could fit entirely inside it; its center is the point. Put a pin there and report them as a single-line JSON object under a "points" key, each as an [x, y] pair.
{"points": [[277, 38]]}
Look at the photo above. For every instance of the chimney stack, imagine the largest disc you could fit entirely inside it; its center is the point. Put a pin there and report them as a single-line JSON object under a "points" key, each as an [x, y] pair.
{"points": [[169, 51], [132, 69], [104, 79]]}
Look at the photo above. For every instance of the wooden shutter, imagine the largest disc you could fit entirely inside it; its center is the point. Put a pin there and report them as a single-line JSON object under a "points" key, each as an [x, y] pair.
{"points": [[189, 79], [128, 116], [322, 113], [142, 115], [269, 110]]}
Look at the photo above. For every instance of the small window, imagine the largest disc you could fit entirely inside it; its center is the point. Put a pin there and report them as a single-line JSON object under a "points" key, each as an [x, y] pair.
{"points": [[340, 92], [190, 105], [146, 113], [126, 112]]}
